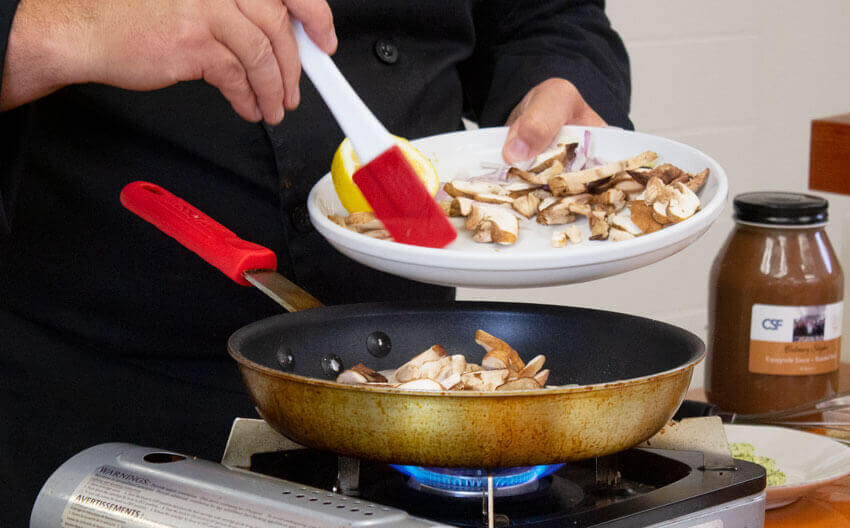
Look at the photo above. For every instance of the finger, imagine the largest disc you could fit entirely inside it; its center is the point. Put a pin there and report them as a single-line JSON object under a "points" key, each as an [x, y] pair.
{"points": [[255, 51], [272, 17], [225, 72], [317, 18], [536, 121]]}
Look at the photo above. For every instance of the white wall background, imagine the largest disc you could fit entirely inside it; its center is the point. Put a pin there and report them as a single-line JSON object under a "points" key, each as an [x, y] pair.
{"points": [[740, 80]]}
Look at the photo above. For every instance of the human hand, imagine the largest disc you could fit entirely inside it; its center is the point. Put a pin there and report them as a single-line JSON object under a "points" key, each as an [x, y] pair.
{"points": [[536, 120], [245, 48]]}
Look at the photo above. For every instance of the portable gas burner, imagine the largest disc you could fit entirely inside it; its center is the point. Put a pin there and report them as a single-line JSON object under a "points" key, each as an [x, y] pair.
{"points": [[267, 480]]}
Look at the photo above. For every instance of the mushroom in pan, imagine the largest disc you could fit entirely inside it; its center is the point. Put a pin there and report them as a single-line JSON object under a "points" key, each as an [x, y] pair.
{"points": [[359, 374], [411, 370]]}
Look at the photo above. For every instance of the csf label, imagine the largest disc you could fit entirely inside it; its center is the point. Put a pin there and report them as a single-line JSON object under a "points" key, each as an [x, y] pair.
{"points": [[791, 324], [795, 340], [771, 324]]}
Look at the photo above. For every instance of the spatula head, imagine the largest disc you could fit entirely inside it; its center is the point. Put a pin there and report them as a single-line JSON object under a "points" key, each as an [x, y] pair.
{"points": [[401, 201]]}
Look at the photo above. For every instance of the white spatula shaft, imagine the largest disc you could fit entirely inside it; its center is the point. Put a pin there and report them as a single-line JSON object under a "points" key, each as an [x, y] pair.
{"points": [[367, 134]]}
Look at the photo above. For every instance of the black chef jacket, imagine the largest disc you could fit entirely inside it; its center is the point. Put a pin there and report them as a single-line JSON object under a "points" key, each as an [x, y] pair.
{"points": [[111, 331]]}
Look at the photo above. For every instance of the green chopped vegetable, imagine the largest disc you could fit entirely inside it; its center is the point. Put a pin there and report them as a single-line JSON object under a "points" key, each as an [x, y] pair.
{"points": [[745, 451]]}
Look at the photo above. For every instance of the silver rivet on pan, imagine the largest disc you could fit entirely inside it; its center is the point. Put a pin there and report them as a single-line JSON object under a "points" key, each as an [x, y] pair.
{"points": [[378, 344], [285, 359], [331, 365]]}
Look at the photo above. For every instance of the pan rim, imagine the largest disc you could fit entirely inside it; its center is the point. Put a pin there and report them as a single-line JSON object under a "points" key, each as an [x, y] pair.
{"points": [[399, 307]]}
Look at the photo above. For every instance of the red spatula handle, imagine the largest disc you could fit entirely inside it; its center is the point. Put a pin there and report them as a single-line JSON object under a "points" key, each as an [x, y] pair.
{"points": [[198, 232]]}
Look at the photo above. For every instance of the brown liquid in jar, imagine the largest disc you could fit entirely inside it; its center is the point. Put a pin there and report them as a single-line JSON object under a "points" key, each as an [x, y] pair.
{"points": [[771, 265]]}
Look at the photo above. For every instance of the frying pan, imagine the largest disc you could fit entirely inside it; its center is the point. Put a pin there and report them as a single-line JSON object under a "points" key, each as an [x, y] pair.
{"points": [[625, 376]]}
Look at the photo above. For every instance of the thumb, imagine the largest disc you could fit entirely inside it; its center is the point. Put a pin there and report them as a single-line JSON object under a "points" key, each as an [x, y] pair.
{"points": [[538, 118], [533, 130]]}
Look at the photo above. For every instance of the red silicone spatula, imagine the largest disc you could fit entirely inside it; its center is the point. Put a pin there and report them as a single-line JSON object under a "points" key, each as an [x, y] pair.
{"points": [[387, 181]]}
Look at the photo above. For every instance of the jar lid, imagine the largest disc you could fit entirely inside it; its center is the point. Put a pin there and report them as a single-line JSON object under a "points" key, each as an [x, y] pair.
{"points": [[780, 208]]}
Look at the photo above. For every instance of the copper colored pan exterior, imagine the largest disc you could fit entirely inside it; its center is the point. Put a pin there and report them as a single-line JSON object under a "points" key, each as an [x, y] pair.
{"points": [[466, 429]]}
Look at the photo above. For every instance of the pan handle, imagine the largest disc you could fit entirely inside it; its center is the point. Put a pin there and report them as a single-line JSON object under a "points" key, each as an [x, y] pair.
{"points": [[196, 231]]}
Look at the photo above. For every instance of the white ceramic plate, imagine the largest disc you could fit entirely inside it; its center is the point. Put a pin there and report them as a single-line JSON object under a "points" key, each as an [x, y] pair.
{"points": [[532, 261], [808, 460]]}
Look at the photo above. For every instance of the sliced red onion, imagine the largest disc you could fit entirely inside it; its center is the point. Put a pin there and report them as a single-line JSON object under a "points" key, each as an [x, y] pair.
{"points": [[442, 195]]}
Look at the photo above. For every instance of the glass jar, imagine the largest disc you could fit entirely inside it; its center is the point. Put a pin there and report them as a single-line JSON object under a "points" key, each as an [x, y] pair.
{"points": [[775, 306]]}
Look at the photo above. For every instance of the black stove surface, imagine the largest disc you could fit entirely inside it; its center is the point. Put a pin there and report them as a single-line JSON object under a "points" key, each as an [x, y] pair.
{"points": [[655, 486]]}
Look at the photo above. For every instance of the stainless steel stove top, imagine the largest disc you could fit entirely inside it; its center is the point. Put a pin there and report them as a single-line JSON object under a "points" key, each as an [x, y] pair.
{"points": [[137, 486]]}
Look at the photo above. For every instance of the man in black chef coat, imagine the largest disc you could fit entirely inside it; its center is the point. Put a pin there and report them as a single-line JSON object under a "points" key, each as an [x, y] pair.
{"points": [[110, 331]]}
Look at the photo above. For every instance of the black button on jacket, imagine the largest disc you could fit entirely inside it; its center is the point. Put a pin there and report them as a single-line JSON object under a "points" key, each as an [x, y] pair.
{"points": [[100, 310]]}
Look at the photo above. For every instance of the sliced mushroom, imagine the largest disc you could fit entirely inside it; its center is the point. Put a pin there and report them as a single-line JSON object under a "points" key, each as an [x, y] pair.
{"points": [[656, 191], [683, 203], [629, 185], [433, 369], [483, 233], [574, 234], [363, 221], [458, 363], [360, 373], [659, 212], [423, 384], [666, 172], [460, 206], [538, 178], [560, 184], [390, 375], [451, 382], [526, 205], [614, 197], [546, 202], [559, 239], [519, 384], [641, 215], [499, 354], [556, 214], [519, 188], [696, 182], [468, 189], [543, 194], [499, 199], [581, 208], [598, 225], [624, 222], [337, 219], [533, 366], [484, 380], [565, 154], [618, 235], [598, 186], [492, 223], [471, 367], [351, 377], [410, 370], [541, 377], [381, 234]]}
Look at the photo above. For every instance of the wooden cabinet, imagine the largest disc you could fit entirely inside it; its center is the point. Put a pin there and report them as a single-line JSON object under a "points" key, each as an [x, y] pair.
{"points": [[829, 159]]}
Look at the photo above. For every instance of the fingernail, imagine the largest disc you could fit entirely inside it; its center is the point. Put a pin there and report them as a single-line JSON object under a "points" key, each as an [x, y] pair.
{"points": [[258, 114], [278, 115], [517, 150]]}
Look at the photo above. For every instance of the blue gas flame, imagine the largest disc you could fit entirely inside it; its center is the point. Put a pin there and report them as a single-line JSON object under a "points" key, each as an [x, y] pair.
{"points": [[476, 479]]}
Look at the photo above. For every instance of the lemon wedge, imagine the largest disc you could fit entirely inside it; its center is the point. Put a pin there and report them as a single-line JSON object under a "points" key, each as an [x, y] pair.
{"points": [[345, 163]]}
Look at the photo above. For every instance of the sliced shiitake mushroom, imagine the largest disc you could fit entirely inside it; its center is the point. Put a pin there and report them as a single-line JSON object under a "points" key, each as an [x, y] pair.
{"points": [[359, 374], [519, 384], [562, 183]]}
